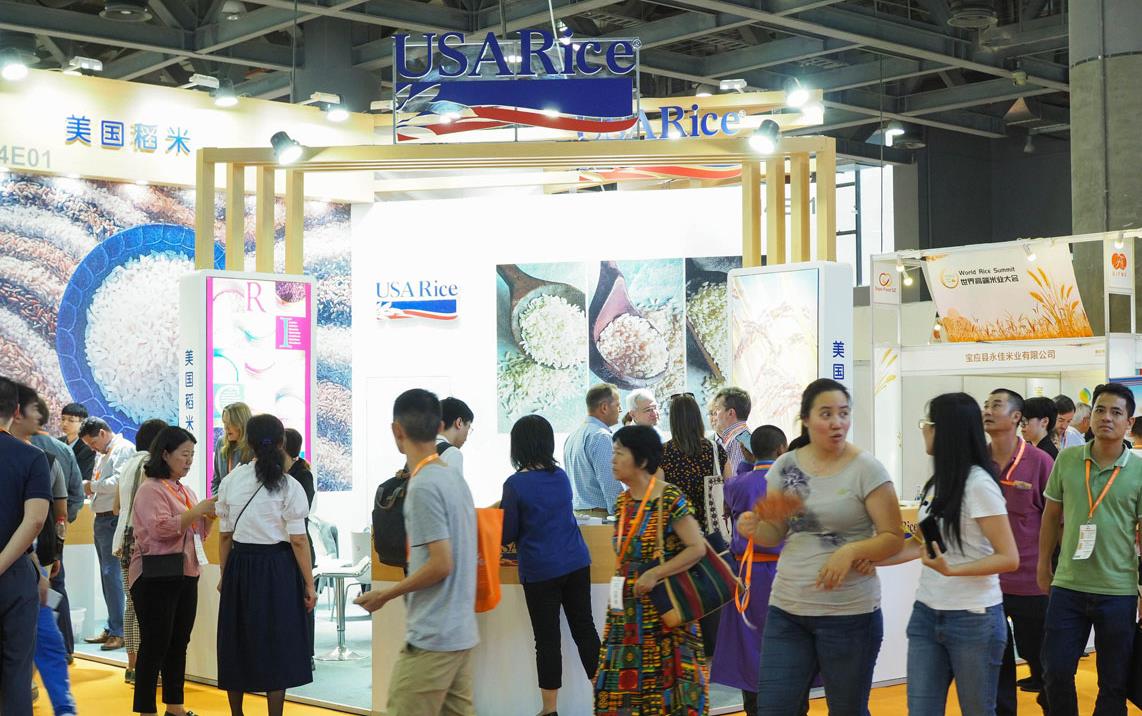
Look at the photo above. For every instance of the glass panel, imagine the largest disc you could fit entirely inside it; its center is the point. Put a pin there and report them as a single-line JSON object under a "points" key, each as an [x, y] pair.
{"points": [[846, 208], [876, 214], [846, 253]]}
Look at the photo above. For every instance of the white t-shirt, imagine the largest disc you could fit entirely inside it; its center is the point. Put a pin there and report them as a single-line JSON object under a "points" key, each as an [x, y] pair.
{"points": [[982, 498], [271, 516]]}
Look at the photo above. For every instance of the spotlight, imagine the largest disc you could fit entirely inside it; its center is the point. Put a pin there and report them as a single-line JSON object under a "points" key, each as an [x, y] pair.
{"points": [[899, 267], [198, 80], [13, 66], [704, 91], [232, 10], [1030, 253], [286, 150], [78, 65], [796, 95], [892, 130], [907, 280], [813, 113], [735, 85], [125, 10], [336, 113], [765, 138], [1120, 242], [224, 96]]}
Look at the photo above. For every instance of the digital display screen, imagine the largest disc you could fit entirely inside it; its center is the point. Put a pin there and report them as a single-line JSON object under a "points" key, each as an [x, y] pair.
{"points": [[259, 337]]}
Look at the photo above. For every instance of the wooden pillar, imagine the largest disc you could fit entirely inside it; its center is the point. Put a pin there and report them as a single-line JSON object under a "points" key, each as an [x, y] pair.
{"points": [[294, 220], [751, 214], [264, 221], [775, 210], [235, 217], [827, 203], [203, 212], [799, 201]]}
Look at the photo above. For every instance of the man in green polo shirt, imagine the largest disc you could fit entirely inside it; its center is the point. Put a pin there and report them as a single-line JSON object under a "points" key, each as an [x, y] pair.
{"points": [[1096, 492]]}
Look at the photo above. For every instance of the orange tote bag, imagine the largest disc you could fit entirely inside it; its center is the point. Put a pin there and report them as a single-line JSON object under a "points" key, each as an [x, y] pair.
{"points": [[489, 532]]}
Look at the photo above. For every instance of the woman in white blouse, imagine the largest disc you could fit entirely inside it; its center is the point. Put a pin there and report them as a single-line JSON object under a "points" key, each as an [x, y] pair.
{"points": [[267, 577]]}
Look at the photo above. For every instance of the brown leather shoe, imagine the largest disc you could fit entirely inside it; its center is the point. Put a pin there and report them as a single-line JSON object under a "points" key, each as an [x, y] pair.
{"points": [[98, 639], [112, 643]]}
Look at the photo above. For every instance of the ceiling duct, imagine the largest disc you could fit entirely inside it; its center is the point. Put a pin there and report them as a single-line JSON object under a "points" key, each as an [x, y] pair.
{"points": [[972, 14], [126, 10]]}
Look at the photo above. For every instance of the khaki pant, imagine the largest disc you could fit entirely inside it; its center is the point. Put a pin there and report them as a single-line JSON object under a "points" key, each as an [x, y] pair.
{"points": [[431, 683]]}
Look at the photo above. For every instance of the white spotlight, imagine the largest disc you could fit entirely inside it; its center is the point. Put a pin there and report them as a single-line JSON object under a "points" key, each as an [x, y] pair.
{"points": [[286, 149], [796, 95], [336, 113], [734, 85], [765, 138]]}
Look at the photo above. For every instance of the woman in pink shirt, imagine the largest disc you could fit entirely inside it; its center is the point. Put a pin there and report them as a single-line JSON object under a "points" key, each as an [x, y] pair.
{"points": [[169, 525]]}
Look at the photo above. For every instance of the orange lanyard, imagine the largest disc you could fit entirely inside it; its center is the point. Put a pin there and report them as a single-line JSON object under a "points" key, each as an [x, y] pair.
{"points": [[1090, 496], [179, 493], [422, 463], [637, 520], [1014, 464], [745, 574]]}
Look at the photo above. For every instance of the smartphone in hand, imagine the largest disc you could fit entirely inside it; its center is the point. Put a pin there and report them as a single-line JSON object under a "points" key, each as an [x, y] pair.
{"points": [[930, 529]]}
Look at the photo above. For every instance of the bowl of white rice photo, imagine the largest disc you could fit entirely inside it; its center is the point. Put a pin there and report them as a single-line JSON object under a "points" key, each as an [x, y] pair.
{"points": [[118, 331]]}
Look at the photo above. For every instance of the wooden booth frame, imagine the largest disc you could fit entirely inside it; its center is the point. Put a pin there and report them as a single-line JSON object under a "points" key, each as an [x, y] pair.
{"points": [[794, 161]]}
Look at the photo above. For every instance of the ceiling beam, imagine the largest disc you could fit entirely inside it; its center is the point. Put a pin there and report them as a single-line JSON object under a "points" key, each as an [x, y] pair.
{"points": [[174, 13], [54, 49], [526, 13], [268, 86], [771, 54], [883, 69], [82, 27], [681, 27], [404, 14], [969, 95]]}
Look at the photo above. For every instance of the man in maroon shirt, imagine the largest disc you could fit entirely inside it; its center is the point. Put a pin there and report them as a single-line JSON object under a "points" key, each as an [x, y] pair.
{"points": [[1023, 472]]}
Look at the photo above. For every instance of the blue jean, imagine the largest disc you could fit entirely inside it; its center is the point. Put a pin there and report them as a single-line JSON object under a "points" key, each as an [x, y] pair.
{"points": [[1070, 616], [795, 648], [51, 662], [954, 644], [110, 573]]}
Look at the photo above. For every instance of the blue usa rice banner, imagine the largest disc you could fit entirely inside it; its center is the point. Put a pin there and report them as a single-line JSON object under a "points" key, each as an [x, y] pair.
{"points": [[445, 84]]}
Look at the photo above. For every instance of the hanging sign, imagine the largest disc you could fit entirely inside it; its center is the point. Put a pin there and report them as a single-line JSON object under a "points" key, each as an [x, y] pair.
{"points": [[430, 299], [1118, 263], [580, 85], [1007, 293], [885, 283]]}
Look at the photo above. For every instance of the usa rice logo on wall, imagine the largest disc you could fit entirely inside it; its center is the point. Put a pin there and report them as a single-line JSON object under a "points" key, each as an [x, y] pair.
{"points": [[427, 299]]}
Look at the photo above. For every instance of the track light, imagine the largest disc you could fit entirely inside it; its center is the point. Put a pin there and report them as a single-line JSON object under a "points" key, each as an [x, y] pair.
{"points": [[78, 65], [907, 279], [286, 149], [197, 80], [1030, 253], [224, 96], [796, 95], [899, 267], [704, 91], [232, 10], [765, 138], [336, 113], [735, 85], [892, 130], [13, 64]]}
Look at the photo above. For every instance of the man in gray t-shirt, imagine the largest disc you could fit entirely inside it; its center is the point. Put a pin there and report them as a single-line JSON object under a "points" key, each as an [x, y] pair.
{"points": [[433, 673]]}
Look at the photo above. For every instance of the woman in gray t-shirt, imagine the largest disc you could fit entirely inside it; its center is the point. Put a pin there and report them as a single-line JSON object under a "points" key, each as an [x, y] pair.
{"points": [[833, 505]]}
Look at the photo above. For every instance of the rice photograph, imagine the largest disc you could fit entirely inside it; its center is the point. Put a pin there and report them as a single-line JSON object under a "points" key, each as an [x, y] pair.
{"points": [[541, 343], [707, 325]]}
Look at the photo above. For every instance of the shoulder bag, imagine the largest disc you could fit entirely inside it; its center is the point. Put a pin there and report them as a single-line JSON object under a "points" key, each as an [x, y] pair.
{"points": [[129, 529], [163, 566], [702, 589], [718, 527]]}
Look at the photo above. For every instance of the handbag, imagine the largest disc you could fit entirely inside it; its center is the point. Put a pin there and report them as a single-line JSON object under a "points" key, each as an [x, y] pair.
{"points": [[719, 527], [702, 589]]}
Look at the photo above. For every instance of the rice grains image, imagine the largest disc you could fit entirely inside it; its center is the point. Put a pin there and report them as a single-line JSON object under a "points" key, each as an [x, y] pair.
{"points": [[553, 331], [634, 346]]}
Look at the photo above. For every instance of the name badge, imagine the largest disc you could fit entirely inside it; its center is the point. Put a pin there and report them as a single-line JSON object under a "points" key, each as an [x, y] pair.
{"points": [[616, 600], [199, 550], [1087, 534]]}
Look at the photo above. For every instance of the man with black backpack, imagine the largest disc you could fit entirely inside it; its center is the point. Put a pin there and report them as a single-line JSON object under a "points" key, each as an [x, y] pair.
{"points": [[434, 669]]}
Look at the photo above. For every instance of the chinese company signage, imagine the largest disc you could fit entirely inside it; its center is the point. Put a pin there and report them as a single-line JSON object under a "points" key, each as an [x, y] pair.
{"points": [[112, 134], [1007, 293], [434, 300], [447, 83]]}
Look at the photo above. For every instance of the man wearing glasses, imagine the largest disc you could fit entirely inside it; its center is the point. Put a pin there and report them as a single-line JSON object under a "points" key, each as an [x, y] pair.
{"points": [[642, 409], [70, 420]]}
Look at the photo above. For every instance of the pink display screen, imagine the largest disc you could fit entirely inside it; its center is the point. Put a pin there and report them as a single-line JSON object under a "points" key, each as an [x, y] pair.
{"points": [[260, 347]]}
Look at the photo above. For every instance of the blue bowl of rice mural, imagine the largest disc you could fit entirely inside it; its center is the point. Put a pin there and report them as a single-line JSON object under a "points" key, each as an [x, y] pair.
{"points": [[117, 335]]}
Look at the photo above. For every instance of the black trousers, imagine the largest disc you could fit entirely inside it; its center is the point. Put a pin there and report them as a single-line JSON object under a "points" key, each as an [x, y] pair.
{"points": [[19, 611], [1028, 615], [572, 592], [63, 616], [165, 609]]}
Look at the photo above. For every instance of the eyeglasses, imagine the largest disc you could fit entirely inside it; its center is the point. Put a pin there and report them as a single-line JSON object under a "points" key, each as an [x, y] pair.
{"points": [[925, 423]]}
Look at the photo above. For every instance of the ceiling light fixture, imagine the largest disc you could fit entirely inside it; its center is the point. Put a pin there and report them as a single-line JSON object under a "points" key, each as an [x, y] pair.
{"points": [[197, 80], [224, 96], [733, 85], [13, 66], [232, 10], [907, 279], [796, 94], [336, 113], [813, 113], [286, 150], [892, 130], [704, 91], [765, 138], [1030, 253], [125, 10], [899, 267], [78, 65]]}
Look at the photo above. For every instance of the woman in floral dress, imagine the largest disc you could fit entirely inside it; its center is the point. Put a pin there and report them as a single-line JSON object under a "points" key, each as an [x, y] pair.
{"points": [[645, 668]]}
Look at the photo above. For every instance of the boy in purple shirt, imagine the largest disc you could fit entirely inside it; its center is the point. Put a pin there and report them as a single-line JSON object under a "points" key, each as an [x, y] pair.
{"points": [[1023, 472]]}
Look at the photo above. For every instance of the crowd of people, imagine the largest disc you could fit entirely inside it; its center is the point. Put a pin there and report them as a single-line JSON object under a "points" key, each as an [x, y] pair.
{"points": [[149, 533], [1021, 546]]}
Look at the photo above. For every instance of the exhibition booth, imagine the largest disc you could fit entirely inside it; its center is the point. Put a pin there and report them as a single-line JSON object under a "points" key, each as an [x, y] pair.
{"points": [[320, 296]]}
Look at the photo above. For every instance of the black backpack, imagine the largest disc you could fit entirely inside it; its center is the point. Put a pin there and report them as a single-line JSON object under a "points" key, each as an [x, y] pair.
{"points": [[49, 547], [389, 536]]}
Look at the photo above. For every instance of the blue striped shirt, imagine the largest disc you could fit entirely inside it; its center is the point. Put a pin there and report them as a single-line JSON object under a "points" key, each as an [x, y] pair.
{"points": [[587, 459]]}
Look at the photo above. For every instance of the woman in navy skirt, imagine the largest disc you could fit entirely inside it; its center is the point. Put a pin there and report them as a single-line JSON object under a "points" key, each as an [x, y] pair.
{"points": [[267, 577]]}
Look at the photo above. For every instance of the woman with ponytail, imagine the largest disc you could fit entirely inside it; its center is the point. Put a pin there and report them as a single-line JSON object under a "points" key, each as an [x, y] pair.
{"points": [[267, 575]]}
